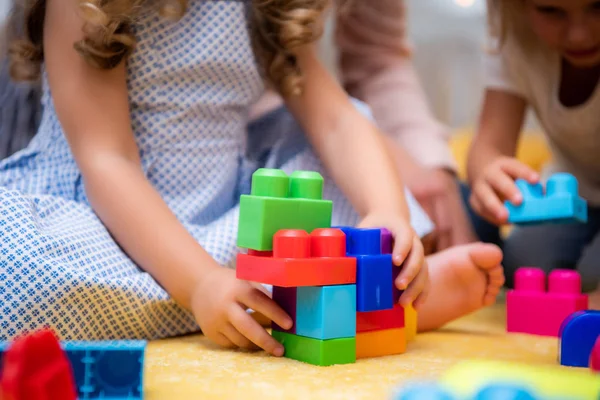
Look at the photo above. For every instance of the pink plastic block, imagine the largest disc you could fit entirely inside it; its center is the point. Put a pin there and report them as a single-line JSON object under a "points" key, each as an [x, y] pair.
{"points": [[595, 357], [530, 308]]}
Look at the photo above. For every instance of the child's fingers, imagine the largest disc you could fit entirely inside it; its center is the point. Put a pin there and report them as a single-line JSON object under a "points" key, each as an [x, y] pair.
{"points": [[416, 287], [480, 210], [403, 244], [516, 169], [250, 329], [490, 203], [421, 298], [412, 265], [505, 186], [236, 337], [262, 303]]}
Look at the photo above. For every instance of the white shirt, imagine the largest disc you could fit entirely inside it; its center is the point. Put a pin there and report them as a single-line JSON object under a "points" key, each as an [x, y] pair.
{"points": [[573, 133]]}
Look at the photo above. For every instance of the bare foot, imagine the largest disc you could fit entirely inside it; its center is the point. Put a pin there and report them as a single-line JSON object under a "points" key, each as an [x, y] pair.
{"points": [[463, 279]]}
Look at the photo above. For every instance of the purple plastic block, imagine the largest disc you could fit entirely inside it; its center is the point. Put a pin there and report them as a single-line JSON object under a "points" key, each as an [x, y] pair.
{"points": [[286, 298], [386, 241]]}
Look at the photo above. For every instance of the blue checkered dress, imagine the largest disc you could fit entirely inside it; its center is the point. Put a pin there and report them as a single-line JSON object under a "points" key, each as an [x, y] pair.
{"points": [[191, 83]]}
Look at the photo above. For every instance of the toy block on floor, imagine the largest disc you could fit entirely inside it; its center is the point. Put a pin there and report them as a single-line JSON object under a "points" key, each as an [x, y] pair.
{"points": [[374, 271], [318, 352], [531, 309], [105, 370], [380, 343], [560, 204], [380, 320], [326, 312], [278, 201], [286, 298], [300, 259], [410, 322], [551, 382], [578, 334], [595, 356], [35, 367], [319, 312], [494, 391]]}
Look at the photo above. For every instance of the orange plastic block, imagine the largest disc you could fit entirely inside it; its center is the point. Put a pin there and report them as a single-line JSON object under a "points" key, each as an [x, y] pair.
{"points": [[380, 343], [380, 320], [300, 259]]}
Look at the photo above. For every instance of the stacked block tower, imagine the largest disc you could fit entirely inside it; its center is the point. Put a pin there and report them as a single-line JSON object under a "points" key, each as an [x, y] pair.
{"points": [[335, 283]]}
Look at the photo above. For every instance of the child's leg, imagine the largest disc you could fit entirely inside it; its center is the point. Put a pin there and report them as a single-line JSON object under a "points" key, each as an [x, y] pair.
{"points": [[545, 246], [463, 278]]}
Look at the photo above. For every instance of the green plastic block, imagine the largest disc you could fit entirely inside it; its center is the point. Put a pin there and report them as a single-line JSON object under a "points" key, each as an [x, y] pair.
{"points": [[318, 352], [281, 202]]}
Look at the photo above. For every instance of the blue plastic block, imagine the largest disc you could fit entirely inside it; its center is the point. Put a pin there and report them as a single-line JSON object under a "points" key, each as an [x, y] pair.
{"points": [[374, 271], [578, 335], [111, 370], [424, 391], [505, 392], [560, 204], [326, 312]]}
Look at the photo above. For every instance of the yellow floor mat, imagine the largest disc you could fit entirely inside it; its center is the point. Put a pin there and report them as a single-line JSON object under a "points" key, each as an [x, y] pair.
{"points": [[191, 368]]}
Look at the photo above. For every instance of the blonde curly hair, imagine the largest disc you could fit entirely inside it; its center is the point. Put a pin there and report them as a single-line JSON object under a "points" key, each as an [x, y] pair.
{"points": [[279, 27]]}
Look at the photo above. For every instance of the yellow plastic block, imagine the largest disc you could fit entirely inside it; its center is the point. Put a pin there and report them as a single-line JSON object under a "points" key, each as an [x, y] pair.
{"points": [[380, 343], [466, 379], [410, 323]]}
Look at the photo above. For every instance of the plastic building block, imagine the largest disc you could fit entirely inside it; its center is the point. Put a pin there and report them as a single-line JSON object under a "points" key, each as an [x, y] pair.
{"points": [[497, 391], [35, 367], [280, 202], [595, 356], [531, 309], [379, 320], [108, 370], [424, 391], [380, 343], [553, 382], [560, 204], [285, 297], [111, 370], [387, 246], [410, 323], [374, 271], [505, 391], [326, 312], [578, 335], [318, 352], [300, 259]]}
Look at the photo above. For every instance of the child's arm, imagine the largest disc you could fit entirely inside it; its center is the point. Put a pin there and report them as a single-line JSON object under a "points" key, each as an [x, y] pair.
{"points": [[492, 168], [354, 153], [93, 108]]}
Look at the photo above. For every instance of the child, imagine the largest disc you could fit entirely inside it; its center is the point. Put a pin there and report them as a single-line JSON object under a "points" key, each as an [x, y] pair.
{"points": [[549, 60], [117, 218]]}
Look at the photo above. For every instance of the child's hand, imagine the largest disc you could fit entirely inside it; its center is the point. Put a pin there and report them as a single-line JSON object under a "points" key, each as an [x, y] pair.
{"points": [[408, 251], [219, 304], [497, 184]]}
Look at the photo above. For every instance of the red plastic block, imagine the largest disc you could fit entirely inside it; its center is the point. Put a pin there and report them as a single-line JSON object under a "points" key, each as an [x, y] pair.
{"points": [[595, 357], [36, 367], [300, 259], [380, 320], [531, 309]]}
